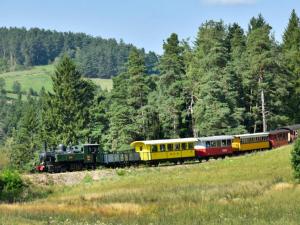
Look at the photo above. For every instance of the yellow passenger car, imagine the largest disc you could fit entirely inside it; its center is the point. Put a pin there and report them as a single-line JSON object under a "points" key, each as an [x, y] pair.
{"points": [[248, 142], [165, 150]]}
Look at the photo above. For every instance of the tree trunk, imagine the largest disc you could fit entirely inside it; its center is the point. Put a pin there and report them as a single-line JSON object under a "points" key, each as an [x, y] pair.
{"points": [[263, 111], [192, 117], [262, 99]]}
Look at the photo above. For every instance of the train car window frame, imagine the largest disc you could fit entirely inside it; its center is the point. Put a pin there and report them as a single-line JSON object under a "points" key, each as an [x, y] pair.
{"points": [[162, 148], [223, 143], [213, 144], [154, 148], [170, 147], [229, 142], [190, 145], [218, 143], [183, 146], [177, 147], [207, 144]]}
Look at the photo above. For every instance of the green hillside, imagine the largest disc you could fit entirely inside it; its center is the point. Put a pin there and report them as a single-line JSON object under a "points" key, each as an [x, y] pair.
{"points": [[251, 189], [40, 76]]}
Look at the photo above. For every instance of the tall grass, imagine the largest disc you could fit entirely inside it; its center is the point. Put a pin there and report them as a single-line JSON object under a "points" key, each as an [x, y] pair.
{"points": [[251, 189]]}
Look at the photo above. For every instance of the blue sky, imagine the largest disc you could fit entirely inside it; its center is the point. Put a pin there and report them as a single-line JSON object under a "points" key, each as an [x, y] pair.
{"points": [[144, 23]]}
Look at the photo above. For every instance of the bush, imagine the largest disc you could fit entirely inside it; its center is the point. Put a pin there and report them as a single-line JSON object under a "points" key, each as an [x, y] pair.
{"points": [[296, 160], [120, 172], [11, 186]]}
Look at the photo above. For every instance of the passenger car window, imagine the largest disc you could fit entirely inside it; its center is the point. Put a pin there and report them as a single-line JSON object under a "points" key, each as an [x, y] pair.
{"points": [[162, 148], [224, 143], [176, 147], [207, 144], [183, 146], [213, 143], [153, 148], [228, 142], [170, 147], [191, 145]]}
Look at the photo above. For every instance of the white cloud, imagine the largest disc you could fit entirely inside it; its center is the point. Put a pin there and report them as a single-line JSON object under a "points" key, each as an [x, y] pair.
{"points": [[229, 2]]}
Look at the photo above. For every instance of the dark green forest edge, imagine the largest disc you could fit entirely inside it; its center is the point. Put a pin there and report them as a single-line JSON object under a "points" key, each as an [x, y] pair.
{"points": [[230, 81], [95, 57]]}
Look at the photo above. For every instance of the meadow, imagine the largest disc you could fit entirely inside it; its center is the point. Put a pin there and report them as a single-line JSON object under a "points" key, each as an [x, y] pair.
{"points": [[256, 188], [40, 76]]}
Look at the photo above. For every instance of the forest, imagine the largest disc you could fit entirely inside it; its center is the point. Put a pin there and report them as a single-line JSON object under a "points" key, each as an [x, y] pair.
{"points": [[94, 56], [228, 81]]}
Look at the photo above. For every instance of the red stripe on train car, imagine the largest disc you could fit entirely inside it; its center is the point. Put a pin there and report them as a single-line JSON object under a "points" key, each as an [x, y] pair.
{"points": [[216, 151]]}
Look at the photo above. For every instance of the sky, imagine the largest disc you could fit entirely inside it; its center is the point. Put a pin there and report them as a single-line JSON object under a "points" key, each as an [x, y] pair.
{"points": [[144, 23]]}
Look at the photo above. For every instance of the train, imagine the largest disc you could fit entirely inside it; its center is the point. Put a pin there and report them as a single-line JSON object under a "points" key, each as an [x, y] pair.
{"points": [[153, 152]]}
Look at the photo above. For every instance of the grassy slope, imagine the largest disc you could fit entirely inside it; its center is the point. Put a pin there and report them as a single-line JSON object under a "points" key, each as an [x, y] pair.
{"points": [[39, 76], [251, 189]]}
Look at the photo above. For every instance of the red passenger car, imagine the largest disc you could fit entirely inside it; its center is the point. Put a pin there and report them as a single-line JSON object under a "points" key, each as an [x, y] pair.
{"points": [[294, 130], [278, 138], [215, 146]]}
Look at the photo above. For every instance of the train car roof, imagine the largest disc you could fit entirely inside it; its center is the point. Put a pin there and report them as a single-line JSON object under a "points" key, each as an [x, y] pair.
{"points": [[215, 138], [164, 141], [90, 144], [262, 134], [279, 131], [291, 127]]}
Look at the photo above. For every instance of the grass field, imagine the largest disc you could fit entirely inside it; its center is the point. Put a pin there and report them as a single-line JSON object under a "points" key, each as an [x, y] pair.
{"points": [[251, 189], [40, 76]]}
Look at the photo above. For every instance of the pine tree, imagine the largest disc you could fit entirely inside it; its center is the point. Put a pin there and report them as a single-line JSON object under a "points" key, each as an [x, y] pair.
{"points": [[215, 108], [171, 100], [291, 35], [137, 87], [264, 79], [291, 56], [26, 140], [66, 114], [99, 123], [127, 116]]}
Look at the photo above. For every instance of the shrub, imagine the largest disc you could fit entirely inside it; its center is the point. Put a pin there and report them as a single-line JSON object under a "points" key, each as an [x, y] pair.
{"points": [[296, 160], [87, 179], [120, 172], [11, 186]]}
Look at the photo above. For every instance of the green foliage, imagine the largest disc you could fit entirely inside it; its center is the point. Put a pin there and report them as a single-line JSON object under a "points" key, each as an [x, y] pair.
{"points": [[171, 96], [215, 107], [11, 186], [296, 160], [291, 57], [26, 139], [121, 172], [2, 83], [4, 66], [127, 117], [87, 179], [16, 87], [66, 111], [95, 56], [264, 73]]}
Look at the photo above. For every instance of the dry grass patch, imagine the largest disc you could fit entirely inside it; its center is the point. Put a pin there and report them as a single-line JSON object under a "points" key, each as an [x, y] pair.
{"points": [[111, 209], [282, 186]]}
